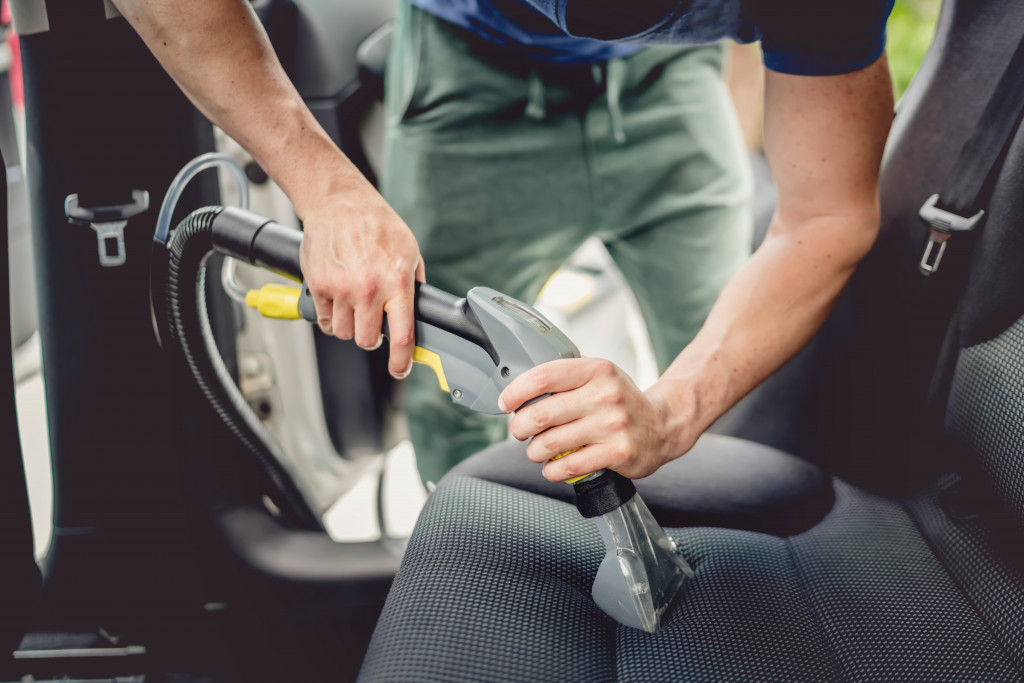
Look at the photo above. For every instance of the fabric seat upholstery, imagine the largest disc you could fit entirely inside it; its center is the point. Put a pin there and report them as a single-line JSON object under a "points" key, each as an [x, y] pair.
{"points": [[722, 482], [496, 583]]}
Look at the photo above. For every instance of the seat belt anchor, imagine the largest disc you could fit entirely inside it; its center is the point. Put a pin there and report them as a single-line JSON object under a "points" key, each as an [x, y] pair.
{"points": [[941, 226], [109, 223]]}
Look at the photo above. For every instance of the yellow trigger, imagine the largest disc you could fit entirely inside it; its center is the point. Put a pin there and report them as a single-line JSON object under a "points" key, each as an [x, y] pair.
{"points": [[431, 359]]}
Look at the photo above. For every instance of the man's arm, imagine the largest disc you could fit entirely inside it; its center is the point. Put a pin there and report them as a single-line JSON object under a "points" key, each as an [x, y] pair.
{"points": [[824, 139], [358, 257]]}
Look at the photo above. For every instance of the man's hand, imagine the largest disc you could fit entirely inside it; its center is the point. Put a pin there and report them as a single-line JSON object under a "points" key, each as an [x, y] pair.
{"points": [[360, 261], [595, 410]]}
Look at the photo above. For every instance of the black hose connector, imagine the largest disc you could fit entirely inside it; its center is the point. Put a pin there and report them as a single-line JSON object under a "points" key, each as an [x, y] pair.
{"points": [[249, 237], [189, 247], [601, 494]]}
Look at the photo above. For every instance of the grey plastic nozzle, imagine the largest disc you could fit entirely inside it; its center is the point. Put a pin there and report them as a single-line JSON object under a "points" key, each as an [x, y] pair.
{"points": [[641, 572]]}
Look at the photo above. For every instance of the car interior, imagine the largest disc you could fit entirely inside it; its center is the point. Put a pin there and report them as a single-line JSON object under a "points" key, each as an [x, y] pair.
{"points": [[857, 517]]}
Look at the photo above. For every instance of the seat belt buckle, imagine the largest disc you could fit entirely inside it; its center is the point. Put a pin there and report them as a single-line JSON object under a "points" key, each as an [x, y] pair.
{"points": [[108, 222], [941, 226]]}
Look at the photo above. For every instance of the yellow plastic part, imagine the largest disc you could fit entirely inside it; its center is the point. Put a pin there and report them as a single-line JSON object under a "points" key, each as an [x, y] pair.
{"points": [[431, 359], [275, 301], [574, 479]]}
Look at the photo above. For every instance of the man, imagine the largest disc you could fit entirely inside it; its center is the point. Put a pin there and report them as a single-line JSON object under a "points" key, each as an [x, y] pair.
{"points": [[828, 105], [510, 143]]}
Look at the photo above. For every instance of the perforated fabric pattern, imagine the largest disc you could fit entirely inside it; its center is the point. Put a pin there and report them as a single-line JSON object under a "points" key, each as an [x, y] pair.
{"points": [[982, 551], [889, 609], [495, 587], [986, 410], [743, 617]]}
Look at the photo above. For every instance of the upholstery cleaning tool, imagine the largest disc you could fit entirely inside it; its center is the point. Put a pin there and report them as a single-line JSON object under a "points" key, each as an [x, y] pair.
{"points": [[476, 346]]}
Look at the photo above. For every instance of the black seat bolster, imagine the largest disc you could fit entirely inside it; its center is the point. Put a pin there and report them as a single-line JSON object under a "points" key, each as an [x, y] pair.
{"points": [[722, 482]]}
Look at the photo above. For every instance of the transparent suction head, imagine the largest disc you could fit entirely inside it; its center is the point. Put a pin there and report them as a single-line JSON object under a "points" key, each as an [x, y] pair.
{"points": [[642, 571]]}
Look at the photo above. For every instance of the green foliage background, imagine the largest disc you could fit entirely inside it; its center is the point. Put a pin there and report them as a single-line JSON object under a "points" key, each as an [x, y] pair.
{"points": [[910, 30]]}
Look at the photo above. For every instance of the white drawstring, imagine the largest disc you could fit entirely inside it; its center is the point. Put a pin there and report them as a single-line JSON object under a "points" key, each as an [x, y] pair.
{"points": [[536, 104]]}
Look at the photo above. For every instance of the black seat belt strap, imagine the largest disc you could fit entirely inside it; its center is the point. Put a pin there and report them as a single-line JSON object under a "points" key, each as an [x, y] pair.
{"points": [[956, 208]]}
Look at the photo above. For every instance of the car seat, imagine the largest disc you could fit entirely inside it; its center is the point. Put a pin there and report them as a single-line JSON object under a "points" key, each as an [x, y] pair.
{"points": [[902, 563]]}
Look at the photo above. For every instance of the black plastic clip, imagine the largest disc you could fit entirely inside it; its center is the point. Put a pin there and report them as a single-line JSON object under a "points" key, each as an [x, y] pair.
{"points": [[941, 225], [108, 222]]}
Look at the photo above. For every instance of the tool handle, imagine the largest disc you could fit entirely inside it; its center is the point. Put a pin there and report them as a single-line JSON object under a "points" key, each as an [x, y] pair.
{"points": [[431, 306], [265, 243], [438, 308], [476, 345]]}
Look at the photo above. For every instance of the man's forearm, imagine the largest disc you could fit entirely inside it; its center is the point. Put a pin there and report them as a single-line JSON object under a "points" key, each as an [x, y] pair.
{"points": [[768, 311], [824, 138], [219, 54]]}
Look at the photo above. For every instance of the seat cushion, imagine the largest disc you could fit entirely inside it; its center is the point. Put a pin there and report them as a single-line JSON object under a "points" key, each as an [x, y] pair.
{"points": [[722, 482], [495, 586]]}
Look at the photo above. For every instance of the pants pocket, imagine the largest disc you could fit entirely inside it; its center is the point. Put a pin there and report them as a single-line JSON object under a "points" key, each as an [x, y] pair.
{"points": [[405, 62]]}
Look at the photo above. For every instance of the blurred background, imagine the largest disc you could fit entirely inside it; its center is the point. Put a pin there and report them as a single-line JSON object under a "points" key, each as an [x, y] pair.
{"points": [[583, 296], [911, 27]]}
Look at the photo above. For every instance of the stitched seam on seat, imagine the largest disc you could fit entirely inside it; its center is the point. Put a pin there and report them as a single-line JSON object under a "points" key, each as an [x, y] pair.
{"points": [[959, 586], [815, 609]]}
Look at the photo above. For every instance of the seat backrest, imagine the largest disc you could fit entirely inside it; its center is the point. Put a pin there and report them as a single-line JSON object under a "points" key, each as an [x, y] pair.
{"points": [[985, 413], [895, 320]]}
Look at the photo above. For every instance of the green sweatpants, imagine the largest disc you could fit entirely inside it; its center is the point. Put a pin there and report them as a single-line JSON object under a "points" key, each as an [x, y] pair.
{"points": [[502, 166]]}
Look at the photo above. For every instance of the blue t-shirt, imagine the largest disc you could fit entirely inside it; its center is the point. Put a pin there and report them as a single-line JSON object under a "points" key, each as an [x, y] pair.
{"points": [[804, 37]]}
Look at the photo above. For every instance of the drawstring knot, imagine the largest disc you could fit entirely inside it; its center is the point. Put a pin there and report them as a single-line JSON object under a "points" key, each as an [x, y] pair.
{"points": [[612, 73], [615, 79]]}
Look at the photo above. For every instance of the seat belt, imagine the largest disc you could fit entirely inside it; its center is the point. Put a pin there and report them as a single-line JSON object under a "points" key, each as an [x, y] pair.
{"points": [[957, 209]]}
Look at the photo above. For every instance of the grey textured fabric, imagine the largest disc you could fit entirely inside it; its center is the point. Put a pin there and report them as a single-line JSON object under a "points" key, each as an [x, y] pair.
{"points": [[889, 609], [982, 551], [722, 482], [495, 587], [986, 410], [493, 581]]}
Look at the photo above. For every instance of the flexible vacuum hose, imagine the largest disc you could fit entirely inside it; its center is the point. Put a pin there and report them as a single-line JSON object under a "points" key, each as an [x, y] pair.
{"points": [[189, 327]]}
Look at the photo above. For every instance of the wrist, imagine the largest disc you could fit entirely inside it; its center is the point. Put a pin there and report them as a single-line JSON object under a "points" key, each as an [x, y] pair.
{"points": [[304, 161], [693, 396], [322, 180], [677, 408]]}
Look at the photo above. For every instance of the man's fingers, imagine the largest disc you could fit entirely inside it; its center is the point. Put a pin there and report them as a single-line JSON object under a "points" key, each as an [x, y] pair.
{"points": [[368, 323], [548, 378], [401, 334], [324, 313], [560, 439], [341, 320], [550, 411], [584, 461]]}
